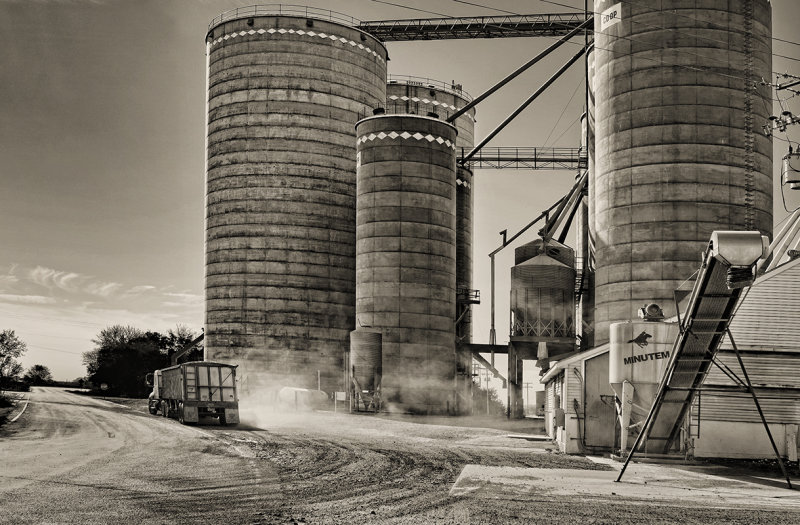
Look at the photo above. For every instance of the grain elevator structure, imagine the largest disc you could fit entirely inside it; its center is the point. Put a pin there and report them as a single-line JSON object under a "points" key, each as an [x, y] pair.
{"points": [[340, 204]]}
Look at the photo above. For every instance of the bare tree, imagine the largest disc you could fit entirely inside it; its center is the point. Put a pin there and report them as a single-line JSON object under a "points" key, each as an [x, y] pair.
{"points": [[11, 347]]}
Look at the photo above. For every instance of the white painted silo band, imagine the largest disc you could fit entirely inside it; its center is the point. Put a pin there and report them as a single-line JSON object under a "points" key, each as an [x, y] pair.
{"points": [[426, 101], [300, 32], [406, 135]]}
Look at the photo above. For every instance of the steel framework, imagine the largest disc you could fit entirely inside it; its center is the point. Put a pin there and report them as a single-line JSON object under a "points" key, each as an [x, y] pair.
{"points": [[531, 158], [553, 24]]}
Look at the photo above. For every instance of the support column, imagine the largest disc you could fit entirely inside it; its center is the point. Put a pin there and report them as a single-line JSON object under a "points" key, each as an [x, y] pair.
{"points": [[516, 409]]}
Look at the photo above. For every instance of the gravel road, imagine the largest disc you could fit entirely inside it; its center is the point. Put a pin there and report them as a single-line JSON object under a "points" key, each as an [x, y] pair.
{"points": [[77, 459]]}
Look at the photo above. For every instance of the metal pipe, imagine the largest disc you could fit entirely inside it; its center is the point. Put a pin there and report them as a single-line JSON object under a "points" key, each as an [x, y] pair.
{"points": [[760, 412], [524, 105], [492, 339], [519, 70], [534, 221], [563, 237], [577, 191]]}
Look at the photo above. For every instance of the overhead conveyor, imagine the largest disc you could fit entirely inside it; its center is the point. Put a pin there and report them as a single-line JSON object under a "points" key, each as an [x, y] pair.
{"points": [[535, 25], [728, 267]]}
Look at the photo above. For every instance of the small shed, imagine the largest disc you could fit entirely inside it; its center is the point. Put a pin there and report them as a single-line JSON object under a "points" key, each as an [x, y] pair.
{"points": [[579, 403]]}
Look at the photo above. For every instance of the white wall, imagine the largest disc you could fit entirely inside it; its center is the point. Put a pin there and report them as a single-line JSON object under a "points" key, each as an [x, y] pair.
{"points": [[728, 439]]}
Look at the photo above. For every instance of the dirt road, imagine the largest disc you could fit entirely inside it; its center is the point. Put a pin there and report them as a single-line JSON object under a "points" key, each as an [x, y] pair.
{"points": [[75, 459]]}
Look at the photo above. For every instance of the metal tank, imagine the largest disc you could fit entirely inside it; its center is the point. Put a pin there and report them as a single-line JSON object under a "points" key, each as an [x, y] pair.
{"points": [[678, 153], [543, 295], [421, 96], [638, 355], [366, 358], [406, 256], [285, 90]]}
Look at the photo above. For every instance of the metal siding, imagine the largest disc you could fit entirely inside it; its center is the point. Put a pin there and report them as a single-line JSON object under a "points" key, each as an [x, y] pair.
{"points": [[768, 314], [767, 369], [740, 407]]}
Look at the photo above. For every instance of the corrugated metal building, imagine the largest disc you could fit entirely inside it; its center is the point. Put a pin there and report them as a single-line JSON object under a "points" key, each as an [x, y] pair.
{"points": [[766, 329]]}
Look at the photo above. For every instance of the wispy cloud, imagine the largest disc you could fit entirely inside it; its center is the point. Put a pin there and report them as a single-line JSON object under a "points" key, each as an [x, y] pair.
{"points": [[56, 279], [76, 295], [26, 299], [184, 297], [102, 289], [139, 290]]}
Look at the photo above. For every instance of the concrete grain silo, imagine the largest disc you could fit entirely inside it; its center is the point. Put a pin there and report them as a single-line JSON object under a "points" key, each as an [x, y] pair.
{"points": [[678, 152], [406, 255], [421, 96], [284, 93]]}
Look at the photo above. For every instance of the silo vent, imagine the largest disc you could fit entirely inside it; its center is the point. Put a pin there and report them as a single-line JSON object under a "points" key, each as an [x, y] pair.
{"points": [[378, 111], [251, 21]]}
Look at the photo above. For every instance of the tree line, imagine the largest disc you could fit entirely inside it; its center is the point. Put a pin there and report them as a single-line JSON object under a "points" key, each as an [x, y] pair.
{"points": [[11, 376], [121, 358], [124, 355]]}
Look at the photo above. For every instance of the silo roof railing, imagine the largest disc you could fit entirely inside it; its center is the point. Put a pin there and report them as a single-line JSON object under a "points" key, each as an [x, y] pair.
{"points": [[411, 80], [286, 10]]}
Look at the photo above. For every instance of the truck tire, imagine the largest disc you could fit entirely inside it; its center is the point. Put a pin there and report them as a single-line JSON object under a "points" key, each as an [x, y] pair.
{"points": [[165, 408], [180, 413], [152, 407], [222, 421]]}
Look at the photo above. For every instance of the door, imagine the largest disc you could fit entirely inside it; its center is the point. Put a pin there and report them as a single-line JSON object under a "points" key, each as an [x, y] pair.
{"points": [[600, 417]]}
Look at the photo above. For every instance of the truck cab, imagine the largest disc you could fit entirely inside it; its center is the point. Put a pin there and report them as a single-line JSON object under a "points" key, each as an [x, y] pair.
{"points": [[154, 399]]}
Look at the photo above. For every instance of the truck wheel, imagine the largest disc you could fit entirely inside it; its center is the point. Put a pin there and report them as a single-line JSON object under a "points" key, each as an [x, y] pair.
{"points": [[165, 408], [222, 421], [180, 413], [152, 407]]}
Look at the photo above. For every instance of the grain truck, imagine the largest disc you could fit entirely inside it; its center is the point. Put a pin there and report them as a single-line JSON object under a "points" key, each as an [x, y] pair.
{"points": [[196, 389]]}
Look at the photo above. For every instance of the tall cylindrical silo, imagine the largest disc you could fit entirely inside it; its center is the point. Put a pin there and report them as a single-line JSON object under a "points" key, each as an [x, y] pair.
{"points": [[284, 93], [677, 147], [406, 256], [420, 96]]}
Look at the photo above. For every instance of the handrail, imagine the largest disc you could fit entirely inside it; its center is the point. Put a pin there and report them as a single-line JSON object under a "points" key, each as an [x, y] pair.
{"points": [[450, 87], [284, 9]]}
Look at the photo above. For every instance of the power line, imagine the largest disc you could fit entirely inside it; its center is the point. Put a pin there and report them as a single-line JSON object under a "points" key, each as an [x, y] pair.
{"points": [[42, 318], [553, 129], [47, 348], [567, 129]]}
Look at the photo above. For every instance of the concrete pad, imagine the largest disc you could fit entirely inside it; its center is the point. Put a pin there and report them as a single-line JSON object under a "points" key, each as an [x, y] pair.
{"points": [[651, 484]]}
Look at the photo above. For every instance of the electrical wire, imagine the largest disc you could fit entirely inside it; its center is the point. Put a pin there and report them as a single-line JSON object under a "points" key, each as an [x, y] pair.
{"points": [[552, 130], [569, 127], [47, 348]]}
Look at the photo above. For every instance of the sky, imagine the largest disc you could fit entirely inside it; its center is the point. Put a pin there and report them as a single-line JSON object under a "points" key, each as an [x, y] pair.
{"points": [[102, 155]]}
